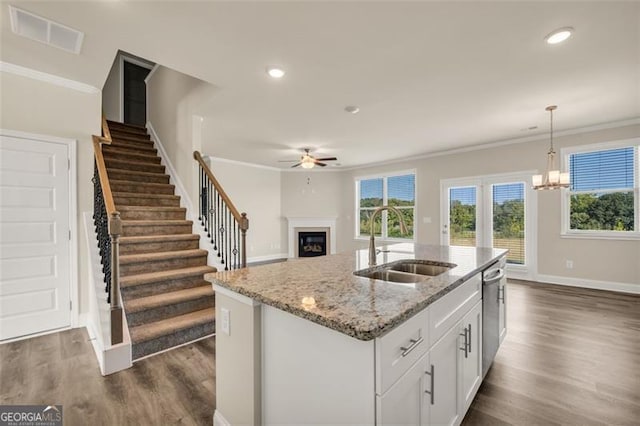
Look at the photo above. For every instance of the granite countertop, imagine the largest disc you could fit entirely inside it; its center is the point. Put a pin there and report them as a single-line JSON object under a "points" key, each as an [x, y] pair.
{"points": [[324, 289]]}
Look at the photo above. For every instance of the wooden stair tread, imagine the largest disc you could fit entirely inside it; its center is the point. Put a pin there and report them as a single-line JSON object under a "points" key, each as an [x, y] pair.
{"points": [[154, 208], [171, 325], [147, 222], [143, 195], [163, 255], [119, 124], [143, 184], [135, 156], [170, 298], [157, 238], [151, 277]]}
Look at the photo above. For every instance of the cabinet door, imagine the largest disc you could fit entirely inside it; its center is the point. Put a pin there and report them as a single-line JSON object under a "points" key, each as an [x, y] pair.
{"points": [[406, 402], [445, 358], [502, 310], [471, 372]]}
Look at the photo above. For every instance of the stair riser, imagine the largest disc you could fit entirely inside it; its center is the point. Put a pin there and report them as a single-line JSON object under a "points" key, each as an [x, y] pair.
{"points": [[131, 157], [146, 230], [137, 167], [115, 174], [161, 265], [128, 129], [152, 215], [121, 134], [164, 342], [141, 201], [168, 311], [132, 148], [123, 143], [140, 248], [164, 286], [142, 189]]}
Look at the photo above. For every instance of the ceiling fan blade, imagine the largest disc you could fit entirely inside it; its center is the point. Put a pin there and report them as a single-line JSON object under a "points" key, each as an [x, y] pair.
{"points": [[320, 164], [327, 159], [295, 165]]}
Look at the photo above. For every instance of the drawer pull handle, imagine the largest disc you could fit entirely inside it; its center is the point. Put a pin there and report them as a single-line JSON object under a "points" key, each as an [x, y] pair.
{"points": [[432, 391], [414, 343]]}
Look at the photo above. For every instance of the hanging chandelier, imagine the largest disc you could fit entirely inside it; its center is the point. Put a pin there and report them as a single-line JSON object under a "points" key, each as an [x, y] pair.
{"points": [[553, 179]]}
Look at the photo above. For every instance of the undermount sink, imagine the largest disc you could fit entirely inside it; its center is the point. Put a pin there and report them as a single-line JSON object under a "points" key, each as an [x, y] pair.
{"points": [[406, 271], [421, 268], [393, 276]]}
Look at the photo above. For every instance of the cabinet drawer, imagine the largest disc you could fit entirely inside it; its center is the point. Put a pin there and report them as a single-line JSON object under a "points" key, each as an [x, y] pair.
{"points": [[399, 349], [444, 313]]}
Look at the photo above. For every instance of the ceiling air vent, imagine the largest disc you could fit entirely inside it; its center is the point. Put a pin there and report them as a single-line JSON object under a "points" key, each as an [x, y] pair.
{"points": [[45, 31]]}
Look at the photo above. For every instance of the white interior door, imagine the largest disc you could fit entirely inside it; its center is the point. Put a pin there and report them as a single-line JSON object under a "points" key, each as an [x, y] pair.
{"points": [[35, 276]]}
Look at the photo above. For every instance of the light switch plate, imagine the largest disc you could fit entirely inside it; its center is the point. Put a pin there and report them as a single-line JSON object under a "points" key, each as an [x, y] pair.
{"points": [[226, 321]]}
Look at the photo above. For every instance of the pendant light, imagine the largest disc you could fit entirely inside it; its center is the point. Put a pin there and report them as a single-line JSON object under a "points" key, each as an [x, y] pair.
{"points": [[553, 179]]}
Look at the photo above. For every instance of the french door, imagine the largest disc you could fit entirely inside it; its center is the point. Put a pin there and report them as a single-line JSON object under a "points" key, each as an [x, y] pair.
{"points": [[492, 211]]}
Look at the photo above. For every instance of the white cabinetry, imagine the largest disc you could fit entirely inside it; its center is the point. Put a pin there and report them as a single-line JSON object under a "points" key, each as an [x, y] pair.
{"points": [[406, 402], [438, 388], [445, 358], [471, 365]]}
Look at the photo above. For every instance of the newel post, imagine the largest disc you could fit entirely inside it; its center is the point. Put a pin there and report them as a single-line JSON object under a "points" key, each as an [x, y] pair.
{"points": [[244, 225], [115, 229]]}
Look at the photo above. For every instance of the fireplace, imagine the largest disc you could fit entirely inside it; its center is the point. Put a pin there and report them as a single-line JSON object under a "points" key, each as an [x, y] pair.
{"points": [[311, 244]]}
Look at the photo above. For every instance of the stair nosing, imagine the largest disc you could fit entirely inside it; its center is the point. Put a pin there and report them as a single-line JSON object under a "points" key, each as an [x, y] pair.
{"points": [[156, 222], [139, 239], [143, 195], [158, 276], [167, 326], [128, 182], [156, 300], [128, 259]]}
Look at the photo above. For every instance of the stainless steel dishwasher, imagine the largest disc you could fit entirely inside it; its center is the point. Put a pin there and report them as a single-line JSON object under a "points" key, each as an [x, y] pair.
{"points": [[493, 278]]}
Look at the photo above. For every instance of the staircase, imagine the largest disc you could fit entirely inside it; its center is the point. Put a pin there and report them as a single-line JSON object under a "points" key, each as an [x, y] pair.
{"points": [[166, 300]]}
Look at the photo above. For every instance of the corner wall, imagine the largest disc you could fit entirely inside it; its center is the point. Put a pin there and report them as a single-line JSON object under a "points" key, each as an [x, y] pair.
{"points": [[43, 108]]}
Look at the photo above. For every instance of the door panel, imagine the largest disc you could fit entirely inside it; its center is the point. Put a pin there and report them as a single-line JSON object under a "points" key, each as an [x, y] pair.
{"points": [[34, 237], [507, 220], [461, 216], [135, 94], [445, 357]]}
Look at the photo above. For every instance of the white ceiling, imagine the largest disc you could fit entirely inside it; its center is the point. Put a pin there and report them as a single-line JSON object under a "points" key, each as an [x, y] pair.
{"points": [[427, 76]]}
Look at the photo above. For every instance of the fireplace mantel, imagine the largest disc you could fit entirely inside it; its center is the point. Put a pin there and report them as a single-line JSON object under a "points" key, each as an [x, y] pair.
{"points": [[311, 222]]}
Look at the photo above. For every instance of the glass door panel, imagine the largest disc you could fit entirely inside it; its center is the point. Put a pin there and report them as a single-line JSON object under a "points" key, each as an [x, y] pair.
{"points": [[508, 222], [462, 216]]}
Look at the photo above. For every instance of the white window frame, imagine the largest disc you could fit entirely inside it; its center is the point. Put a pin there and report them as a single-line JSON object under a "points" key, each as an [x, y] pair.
{"points": [[384, 177], [566, 231]]}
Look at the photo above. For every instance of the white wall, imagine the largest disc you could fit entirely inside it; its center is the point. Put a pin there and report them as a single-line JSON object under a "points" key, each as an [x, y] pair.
{"points": [[593, 259], [111, 92], [316, 194], [255, 191], [37, 107]]}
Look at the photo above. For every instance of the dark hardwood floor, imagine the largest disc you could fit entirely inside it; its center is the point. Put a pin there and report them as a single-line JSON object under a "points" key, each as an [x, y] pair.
{"points": [[175, 387], [572, 357]]}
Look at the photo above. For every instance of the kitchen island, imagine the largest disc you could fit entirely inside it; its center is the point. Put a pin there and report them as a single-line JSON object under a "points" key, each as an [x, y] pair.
{"points": [[307, 341]]}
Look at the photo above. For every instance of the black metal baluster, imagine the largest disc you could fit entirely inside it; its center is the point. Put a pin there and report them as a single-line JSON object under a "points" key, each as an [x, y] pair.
{"points": [[200, 192]]}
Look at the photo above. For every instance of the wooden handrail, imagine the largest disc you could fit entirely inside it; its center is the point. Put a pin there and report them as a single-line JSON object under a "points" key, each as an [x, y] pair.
{"points": [[241, 218], [114, 229]]}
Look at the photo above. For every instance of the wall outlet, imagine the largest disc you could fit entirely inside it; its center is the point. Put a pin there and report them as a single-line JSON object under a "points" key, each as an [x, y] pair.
{"points": [[569, 264], [226, 321]]}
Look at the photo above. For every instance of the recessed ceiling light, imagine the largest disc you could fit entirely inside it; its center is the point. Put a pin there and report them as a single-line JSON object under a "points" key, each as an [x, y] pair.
{"points": [[352, 109], [275, 72], [559, 35]]}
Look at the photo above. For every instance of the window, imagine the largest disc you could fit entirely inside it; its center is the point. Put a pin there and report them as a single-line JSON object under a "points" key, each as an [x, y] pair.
{"points": [[603, 199], [397, 190]]}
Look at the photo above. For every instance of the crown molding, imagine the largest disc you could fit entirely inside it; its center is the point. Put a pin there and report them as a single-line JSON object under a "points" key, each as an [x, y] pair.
{"points": [[535, 138], [47, 78]]}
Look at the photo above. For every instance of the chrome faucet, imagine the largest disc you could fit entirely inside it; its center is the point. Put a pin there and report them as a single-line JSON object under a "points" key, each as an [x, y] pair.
{"points": [[372, 240]]}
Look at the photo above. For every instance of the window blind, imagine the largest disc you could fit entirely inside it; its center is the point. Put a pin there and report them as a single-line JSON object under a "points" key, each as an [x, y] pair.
{"points": [[401, 190], [602, 170]]}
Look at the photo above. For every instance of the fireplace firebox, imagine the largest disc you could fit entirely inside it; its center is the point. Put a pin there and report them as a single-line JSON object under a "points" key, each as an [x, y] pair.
{"points": [[312, 244]]}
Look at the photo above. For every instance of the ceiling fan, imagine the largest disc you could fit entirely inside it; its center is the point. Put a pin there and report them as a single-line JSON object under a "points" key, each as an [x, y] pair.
{"points": [[308, 161]]}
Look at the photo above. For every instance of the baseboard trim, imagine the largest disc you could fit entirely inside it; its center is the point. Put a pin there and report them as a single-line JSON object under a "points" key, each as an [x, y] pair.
{"points": [[47, 78], [219, 420], [593, 284], [267, 257]]}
